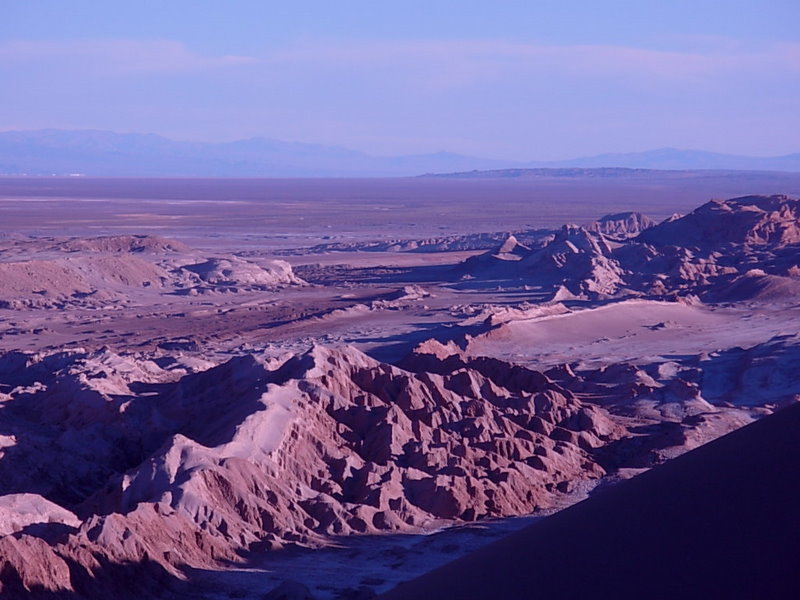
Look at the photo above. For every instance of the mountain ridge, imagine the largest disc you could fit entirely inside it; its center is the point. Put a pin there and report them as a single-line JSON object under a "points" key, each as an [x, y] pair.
{"points": [[97, 152]]}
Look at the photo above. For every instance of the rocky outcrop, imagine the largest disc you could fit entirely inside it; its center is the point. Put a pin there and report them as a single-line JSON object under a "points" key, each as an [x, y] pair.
{"points": [[735, 250], [190, 469], [98, 271], [577, 259], [750, 220], [220, 273], [636, 536], [83, 280], [450, 442], [109, 460], [19, 511], [141, 244], [450, 243], [622, 226]]}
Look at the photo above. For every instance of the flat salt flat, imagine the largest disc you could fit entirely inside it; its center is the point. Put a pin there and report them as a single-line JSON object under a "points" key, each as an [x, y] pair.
{"points": [[221, 210]]}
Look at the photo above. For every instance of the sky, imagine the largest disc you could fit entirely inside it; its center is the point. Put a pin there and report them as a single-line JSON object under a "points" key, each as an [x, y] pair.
{"points": [[521, 80]]}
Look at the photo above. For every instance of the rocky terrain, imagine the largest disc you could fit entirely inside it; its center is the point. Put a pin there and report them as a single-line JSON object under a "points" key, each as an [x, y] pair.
{"points": [[104, 454], [191, 419], [739, 249], [671, 525], [63, 273]]}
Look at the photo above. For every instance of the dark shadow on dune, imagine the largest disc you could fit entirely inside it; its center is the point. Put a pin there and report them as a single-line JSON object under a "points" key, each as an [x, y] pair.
{"points": [[765, 372], [70, 440], [46, 459], [393, 348], [720, 521], [640, 450], [380, 275]]}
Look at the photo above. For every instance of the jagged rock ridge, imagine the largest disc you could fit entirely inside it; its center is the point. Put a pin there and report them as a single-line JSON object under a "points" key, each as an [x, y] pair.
{"points": [[710, 253], [253, 453], [110, 459]]}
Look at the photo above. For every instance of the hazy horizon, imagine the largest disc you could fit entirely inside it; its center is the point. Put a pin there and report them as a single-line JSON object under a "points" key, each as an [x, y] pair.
{"points": [[268, 138], [512, 82]]}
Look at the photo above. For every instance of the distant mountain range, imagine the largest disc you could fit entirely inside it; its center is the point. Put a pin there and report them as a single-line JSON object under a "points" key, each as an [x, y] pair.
{"points": [[105, 153]]}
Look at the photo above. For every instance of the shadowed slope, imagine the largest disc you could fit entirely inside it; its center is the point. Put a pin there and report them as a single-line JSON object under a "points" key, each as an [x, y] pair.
{"points": [[718, 522]]}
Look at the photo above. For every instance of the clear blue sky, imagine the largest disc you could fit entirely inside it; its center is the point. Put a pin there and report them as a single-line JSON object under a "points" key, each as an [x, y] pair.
{"points": [[535, 79]]}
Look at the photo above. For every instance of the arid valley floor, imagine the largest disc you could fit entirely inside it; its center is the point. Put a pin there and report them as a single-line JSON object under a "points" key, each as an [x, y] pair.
{"points": [[320, 389]]}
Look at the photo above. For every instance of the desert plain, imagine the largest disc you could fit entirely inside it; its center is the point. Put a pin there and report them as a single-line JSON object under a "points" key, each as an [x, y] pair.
{"points": [[321, 389]]}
